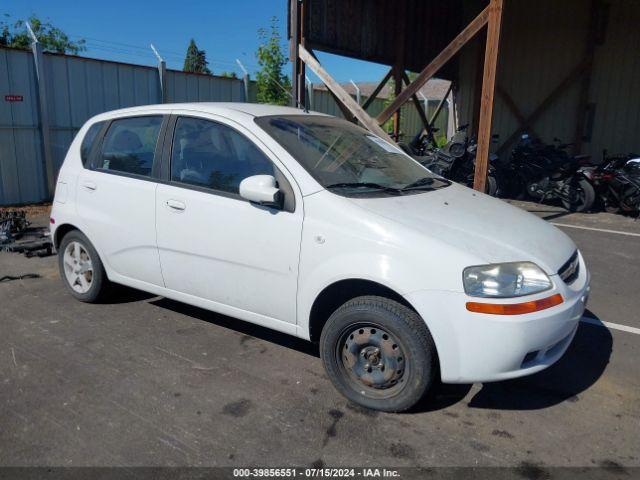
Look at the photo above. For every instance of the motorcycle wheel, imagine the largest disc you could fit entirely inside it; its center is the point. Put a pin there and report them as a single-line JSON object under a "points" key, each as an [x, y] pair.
{"points": [[492, 186], [582, 197], [630, 201]]}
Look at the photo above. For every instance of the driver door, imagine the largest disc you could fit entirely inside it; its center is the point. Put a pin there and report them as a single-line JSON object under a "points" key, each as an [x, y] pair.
{"points": [[239, 257]]}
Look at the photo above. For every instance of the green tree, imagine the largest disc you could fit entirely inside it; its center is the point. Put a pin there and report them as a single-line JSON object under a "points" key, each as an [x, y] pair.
{"points": [[229, 74], [273, 85], [196, 60], [52, 39]]}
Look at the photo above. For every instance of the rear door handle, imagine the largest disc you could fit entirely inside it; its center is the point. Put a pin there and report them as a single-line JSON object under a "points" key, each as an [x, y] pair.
{"points": [[89, 186], [176, 205]]}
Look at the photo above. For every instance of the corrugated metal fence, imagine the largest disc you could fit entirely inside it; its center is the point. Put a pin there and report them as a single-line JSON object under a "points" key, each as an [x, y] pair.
{"points": [[78, 88]]}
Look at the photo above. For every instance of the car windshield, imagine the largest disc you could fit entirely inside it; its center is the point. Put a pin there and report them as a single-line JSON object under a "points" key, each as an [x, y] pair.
{"points": [[347, 159]]}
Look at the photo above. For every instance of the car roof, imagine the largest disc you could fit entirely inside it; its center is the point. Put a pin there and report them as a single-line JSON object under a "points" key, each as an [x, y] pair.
{"points": [[220, 108]]}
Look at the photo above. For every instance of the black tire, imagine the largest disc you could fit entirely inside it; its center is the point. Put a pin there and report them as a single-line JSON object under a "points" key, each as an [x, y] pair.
{"points": [[408, 360], [585, 195], [492, 186], [96, 278]]}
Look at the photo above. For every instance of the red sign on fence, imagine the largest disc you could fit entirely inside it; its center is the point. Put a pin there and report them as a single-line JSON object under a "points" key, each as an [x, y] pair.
{"points": [[13, 98]]}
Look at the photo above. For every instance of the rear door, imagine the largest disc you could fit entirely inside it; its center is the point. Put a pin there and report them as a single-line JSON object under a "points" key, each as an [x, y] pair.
{"points": [[116, 197], [215, 245]]}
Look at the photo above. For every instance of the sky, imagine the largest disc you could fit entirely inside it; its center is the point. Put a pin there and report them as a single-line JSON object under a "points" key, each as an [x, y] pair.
{"points": [[227, 30]]}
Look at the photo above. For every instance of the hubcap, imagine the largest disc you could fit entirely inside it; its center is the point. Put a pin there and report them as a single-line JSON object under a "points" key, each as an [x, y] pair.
{"points": [[78, 268], [372, 357]]}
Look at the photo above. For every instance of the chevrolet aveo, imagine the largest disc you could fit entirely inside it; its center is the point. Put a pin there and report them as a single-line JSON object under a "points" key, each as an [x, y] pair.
{"points": [[312, 226]]}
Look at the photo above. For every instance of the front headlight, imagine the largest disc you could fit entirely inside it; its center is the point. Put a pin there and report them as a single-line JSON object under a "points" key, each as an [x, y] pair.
{"points": [[503, 280]]}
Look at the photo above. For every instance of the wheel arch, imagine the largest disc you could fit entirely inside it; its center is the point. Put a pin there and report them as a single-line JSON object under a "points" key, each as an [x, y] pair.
{"points": [[340, 292], [61, 231]]}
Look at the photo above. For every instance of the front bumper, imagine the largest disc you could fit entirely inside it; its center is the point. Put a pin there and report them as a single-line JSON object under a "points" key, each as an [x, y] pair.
{"points": [[475, 347]]}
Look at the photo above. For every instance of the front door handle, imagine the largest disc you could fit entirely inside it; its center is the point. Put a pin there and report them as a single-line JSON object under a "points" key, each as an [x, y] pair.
{"points": [[176, 205], [89, 186]]}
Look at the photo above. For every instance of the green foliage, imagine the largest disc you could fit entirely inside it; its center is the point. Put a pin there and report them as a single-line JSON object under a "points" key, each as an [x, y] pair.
{"points": [[196, 60], [50, 37], [229, 74], [273, 85], [441, 140]]}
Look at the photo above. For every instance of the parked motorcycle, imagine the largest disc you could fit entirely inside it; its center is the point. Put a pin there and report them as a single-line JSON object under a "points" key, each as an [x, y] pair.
{"points": [[617, 182], [548, 172], [455, 160]]}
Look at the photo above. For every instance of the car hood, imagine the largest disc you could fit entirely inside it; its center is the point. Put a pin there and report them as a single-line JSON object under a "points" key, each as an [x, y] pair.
{"points": [[488, 228]]}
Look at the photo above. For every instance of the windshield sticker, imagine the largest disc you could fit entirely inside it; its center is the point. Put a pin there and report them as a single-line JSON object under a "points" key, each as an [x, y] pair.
{"points": [[381, 143]]}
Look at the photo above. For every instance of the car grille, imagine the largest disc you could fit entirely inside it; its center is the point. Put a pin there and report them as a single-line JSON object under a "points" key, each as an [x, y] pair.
{"points": [[570, 270]]}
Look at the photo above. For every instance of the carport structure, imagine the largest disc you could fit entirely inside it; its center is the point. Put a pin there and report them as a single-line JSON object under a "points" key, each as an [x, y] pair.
{"points": [[565, 69]]}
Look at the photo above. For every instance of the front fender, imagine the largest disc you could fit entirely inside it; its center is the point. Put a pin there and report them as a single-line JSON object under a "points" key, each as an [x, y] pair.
{"points": [[379, 268]]}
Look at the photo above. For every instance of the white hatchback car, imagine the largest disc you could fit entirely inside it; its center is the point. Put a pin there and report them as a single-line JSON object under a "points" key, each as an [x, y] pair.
{"points": [[312, 226]]}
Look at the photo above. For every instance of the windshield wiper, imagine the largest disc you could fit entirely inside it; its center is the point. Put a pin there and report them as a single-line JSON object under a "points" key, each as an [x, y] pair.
{"points": [[374, 186], [425, 183]]}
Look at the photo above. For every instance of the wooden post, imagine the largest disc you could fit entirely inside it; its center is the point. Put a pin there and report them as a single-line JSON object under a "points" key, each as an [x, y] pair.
{"points": [[436, 64], [397, 88], [477, 86], [488, 88], [341, 94], [294, 43], [301, 96]]}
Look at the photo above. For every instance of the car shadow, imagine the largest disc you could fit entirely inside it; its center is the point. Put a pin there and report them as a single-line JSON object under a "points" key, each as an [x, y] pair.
{"points": [[263, 333], [120, 294], [581, 366]]}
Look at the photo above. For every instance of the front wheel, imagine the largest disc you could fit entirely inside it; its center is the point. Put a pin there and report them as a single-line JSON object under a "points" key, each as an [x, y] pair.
{"points": [[378, 353], [579, 196]]}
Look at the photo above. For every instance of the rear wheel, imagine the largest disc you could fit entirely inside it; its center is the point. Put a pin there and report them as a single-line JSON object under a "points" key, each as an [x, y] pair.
{"points": [[378, 353], [81, 269]]}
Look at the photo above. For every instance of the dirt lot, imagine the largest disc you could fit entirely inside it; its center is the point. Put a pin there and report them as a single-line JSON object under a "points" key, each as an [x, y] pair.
{"points": [[148, 381]]}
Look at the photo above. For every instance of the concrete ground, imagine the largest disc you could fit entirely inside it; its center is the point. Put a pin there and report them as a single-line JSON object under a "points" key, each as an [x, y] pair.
{"points": [[148, 381]]}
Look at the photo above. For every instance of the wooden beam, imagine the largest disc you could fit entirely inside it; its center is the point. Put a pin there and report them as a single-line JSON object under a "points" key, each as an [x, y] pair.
{"points": [[436, 64], [443, 100], [380, 86], [511, 105], [341, 94], [418, 105], [566, 82], [488, 89], [343, 108]]}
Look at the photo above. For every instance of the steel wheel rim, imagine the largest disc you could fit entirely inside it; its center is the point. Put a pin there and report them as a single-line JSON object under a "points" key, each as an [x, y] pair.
{"points": [[373, 359], [78, 267]]}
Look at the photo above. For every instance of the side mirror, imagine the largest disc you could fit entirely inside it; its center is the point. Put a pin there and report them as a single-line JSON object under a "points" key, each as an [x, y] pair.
{"points": [[261, 189]]}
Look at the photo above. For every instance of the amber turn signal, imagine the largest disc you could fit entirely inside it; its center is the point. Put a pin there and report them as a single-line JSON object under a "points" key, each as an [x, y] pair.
{"points": [[515, 308]]}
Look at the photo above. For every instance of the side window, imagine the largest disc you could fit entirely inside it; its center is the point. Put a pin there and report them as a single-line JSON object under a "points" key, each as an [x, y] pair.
{"points": [[209, 154], [88, 141], [129, 145]]}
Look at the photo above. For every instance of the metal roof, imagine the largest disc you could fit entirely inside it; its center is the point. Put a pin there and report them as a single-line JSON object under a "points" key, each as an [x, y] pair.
{"points": [[412, 32]]}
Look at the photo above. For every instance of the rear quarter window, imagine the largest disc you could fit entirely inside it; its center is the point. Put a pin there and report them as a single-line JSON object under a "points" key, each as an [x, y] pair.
{"points": [[88, 142], [129, 145]]}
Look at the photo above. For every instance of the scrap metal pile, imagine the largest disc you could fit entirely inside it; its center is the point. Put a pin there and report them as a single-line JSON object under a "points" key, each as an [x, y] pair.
{"points": [[16, 235]]}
